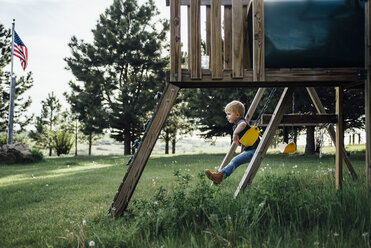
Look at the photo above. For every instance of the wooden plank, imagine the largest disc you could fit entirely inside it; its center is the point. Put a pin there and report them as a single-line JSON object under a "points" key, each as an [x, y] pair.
{"points": [[262, 148], [227, 37], [208, 31], [175, 48], [301, 119], [228, 157], [237, 39], [195, 40], [258, 42], [291, 78], [368, 93], [320, 109], [189, 35], [145, 148], [339, 138], [208, 2], [216, 41], [246, 38], [313, 74]]}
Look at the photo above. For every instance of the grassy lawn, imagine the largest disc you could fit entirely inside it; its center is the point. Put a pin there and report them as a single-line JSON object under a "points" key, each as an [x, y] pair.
{"points": [[63, 202]]}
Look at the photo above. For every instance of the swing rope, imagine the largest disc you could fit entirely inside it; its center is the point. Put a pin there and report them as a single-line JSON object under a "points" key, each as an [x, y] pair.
{"points": [[270, 97]]}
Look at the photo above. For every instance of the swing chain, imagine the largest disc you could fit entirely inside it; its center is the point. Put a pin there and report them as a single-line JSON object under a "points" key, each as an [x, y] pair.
{"points": [[270, 97]]}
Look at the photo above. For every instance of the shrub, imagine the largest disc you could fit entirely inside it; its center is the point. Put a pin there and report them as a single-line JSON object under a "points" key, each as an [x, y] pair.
{"points": [[37, 155], [62, 142]]}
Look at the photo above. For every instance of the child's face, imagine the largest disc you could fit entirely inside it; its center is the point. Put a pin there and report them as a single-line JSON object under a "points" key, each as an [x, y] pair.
{"points": [[232, 117]]}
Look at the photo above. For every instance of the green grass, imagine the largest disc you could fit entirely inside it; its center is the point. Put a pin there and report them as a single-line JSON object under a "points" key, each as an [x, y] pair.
{"points": [[63, 202]]}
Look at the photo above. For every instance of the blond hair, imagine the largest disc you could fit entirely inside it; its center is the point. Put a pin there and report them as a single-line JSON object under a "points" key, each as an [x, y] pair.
{"points": [[236, 107]]}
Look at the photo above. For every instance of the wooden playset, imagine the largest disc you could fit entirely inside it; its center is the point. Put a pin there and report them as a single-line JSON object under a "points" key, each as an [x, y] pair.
{"points": [[252, 49]]}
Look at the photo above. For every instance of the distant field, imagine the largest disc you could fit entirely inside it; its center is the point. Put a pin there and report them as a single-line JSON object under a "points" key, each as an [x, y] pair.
{"points": [[184, 146]]}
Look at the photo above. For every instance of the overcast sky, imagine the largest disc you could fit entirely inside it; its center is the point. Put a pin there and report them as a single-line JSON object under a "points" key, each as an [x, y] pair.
{"points": [[46, 27]]}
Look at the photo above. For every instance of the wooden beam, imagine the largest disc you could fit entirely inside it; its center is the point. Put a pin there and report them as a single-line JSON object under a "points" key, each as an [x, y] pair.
{"points": [[246, 38], [320, 109], [262, 148], [195, 40], [227, 37], [258, 96], [313, 74], [258, 40], [237, 39], [216, 41], [208, 31], [208, 2], [368, 93], [303, 77], [145, 148], [339, 138], [175, 48], [301, 119]]}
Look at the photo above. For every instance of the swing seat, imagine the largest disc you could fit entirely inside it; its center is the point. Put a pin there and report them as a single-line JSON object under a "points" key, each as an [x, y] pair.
{"points": [[287, 148], [249, 136]]}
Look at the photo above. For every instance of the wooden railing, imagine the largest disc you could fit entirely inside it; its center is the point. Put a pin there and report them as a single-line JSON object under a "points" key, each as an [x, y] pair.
{"points": [[234, 55]]}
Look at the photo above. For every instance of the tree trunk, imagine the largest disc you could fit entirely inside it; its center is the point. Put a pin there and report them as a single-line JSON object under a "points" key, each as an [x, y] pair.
{"points": [[167, 139], [295, 134], [173, 142], [90, 142], [310, 147], [285, 135], [76, 132], [127, 143]]}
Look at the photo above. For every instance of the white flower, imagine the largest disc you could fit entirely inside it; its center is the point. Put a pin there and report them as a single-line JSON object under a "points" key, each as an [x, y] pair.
{"points": [[84, 222], [336, 234], [365, 234], [261, 204], [316, 243], [155, 202], [295, 166], [47, 185], [91, 243]]}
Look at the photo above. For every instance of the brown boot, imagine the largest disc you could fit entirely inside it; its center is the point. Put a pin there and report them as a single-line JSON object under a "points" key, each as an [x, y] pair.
{"points": [[216, 177]]}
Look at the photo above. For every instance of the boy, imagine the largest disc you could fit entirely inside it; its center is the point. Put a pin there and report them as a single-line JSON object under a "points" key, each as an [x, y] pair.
{"points": [[235, 114]]}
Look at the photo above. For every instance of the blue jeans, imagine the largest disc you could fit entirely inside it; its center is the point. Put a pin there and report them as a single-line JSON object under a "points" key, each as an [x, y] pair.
{"points": [[242, 158]]}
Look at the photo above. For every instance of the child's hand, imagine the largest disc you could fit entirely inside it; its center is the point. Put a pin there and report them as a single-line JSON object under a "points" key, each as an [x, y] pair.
{"points": [[236, 139]]}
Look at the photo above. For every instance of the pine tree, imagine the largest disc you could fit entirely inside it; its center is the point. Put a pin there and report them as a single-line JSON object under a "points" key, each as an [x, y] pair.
{"points": [[128, 52], [46, 122]]}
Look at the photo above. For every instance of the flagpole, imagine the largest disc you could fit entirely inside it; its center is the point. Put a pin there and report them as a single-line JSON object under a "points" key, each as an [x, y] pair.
{"points": [[12, 92]]}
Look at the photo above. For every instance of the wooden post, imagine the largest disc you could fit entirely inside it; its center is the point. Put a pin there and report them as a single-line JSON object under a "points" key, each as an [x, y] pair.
{"points": [[216, 41], [258, 42], [246, 38], [175, 49], [145, 148], [228, 157], [320, 109], [208, 31], [195, 39], [237, 39], [339, 138], [227, 37], [368, 93], [265, 140]]}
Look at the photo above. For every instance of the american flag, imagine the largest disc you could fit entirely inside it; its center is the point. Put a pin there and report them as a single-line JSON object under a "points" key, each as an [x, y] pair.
{"points": [[20, 50]]}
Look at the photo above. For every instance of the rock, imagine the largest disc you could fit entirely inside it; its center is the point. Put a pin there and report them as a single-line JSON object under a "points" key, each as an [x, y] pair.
{"points": [[15, 153]]}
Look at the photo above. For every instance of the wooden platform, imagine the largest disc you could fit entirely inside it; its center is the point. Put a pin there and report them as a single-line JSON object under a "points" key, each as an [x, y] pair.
{"points": [[301, 119]]}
